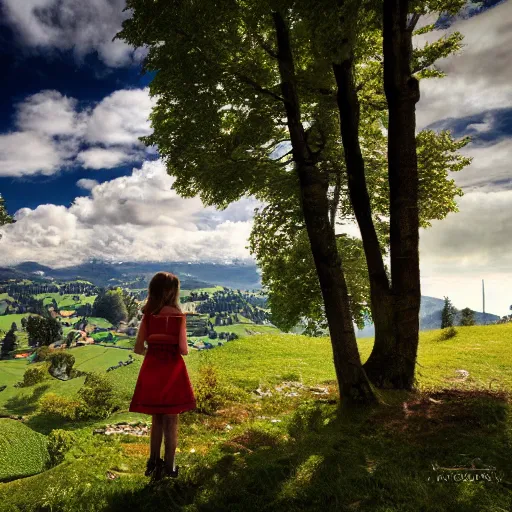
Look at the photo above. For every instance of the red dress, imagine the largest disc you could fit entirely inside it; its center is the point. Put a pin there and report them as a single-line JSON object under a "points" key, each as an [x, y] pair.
{"points": [[163, 385]]}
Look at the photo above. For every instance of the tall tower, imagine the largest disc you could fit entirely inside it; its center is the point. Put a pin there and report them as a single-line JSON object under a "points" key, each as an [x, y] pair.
{"points": [[483, 301]]}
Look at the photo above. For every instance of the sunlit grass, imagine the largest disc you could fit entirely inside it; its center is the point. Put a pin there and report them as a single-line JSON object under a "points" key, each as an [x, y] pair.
{"points": [[299, 452]]}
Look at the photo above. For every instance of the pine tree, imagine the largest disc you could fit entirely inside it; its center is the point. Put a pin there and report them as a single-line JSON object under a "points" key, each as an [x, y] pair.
{"points": [[9, 343], [448, 314]]}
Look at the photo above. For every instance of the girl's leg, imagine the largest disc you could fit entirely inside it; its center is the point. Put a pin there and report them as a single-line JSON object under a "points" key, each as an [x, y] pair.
{"points": [[171, 438], [156, 436]]}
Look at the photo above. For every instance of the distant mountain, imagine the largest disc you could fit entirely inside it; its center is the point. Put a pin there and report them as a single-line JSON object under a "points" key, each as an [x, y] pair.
{"points": [[430, 317], [101, 273]]}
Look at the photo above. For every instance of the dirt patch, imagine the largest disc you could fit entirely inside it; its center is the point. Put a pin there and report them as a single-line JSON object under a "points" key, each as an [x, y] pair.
{"points": [[444, 409]]}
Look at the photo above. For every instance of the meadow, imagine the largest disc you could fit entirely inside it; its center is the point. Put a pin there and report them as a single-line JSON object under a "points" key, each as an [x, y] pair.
{"points": [[293, 446]]}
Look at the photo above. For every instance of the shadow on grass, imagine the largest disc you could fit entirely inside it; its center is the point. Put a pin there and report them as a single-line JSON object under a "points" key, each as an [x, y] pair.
{"points": [[25, 404], [327, 458]]}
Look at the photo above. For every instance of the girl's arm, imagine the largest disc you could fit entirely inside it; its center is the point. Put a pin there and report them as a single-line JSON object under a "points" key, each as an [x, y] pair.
{"points": [[183, 337], [141, 336]]}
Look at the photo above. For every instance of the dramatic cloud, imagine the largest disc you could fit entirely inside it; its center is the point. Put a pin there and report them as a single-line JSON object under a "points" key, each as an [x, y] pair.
{"points": [[136, 218], [479, 76], [468, 246], [456, 253], [490, 170], [78, 25], [50, 130]]}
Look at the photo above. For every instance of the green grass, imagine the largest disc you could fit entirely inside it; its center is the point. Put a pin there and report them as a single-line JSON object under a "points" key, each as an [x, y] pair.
{"points": [[66, 301], [7, 320], [211, 290], [22, 451], [102, 336], [244, 320], [248, 329], [319, 457], [99, 322], [126, 342]]}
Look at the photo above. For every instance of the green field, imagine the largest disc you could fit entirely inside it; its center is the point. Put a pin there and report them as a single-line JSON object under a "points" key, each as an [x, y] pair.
{"points": [[101, 337], [315, 456], [7, 320], [22, 451], [211, 290], [99, 322], [66, 301]]}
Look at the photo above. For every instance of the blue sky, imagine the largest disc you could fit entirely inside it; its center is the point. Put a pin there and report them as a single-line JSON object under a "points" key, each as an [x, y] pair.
{"points": [[81, 185]]}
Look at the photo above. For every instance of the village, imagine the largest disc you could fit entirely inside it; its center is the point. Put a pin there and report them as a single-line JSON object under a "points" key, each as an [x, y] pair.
{"points": [[82, 314]]}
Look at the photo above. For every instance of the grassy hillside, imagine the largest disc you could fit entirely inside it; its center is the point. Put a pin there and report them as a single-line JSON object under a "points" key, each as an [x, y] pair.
{"points": [[295, 449], [7, 320], [22, 451]]}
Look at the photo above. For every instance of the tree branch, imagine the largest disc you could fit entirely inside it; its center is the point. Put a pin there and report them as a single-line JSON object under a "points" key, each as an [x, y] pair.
{"points": [[265, 45], [414, 21], [249, 81]]}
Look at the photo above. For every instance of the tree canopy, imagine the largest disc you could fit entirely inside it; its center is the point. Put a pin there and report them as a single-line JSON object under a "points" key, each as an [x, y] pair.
{"points": [[220, 124], [109, 304], [44, 331]]}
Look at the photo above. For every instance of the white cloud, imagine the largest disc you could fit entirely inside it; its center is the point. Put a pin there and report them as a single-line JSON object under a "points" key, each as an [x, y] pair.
{"points": [[121, 118], [87, 184], [51, 129], [478, 77], [101, 158], [49, 113], [26, 153], [78, 25], [134, 218]]}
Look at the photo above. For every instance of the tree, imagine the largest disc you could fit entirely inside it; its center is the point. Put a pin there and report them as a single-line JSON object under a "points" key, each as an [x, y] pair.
{"points": [[5, 218], [467, 317], [109, 304], [9, 343], [243, 88], [448, 314], [44, 331], [24, 322], [394, 312], [131, 304], [14, 327], [228, 127]]}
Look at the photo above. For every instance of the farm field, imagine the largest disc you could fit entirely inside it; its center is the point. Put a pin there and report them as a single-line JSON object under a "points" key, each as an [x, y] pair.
{"points": [[22, 451], [7, 320], [65, 301]]}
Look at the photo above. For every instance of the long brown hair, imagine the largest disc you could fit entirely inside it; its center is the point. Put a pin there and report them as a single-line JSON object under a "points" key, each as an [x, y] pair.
{"points": [[164, 290]]}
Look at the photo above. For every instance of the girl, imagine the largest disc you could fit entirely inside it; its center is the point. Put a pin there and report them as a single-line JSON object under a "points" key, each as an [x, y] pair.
{"points": [[163, 387]]}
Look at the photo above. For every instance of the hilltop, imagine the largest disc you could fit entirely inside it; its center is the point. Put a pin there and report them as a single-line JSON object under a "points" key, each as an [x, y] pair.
{"points": [[273, 437]]}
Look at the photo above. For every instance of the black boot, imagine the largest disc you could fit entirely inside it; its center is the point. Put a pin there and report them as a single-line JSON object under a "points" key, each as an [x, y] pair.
{"points": [[154, 468], [168, 471]]}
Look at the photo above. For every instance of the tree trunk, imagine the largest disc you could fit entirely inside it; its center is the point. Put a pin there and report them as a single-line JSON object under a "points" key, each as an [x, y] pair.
{"points": [[353, 383], [380, 366], [402, 93]]}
